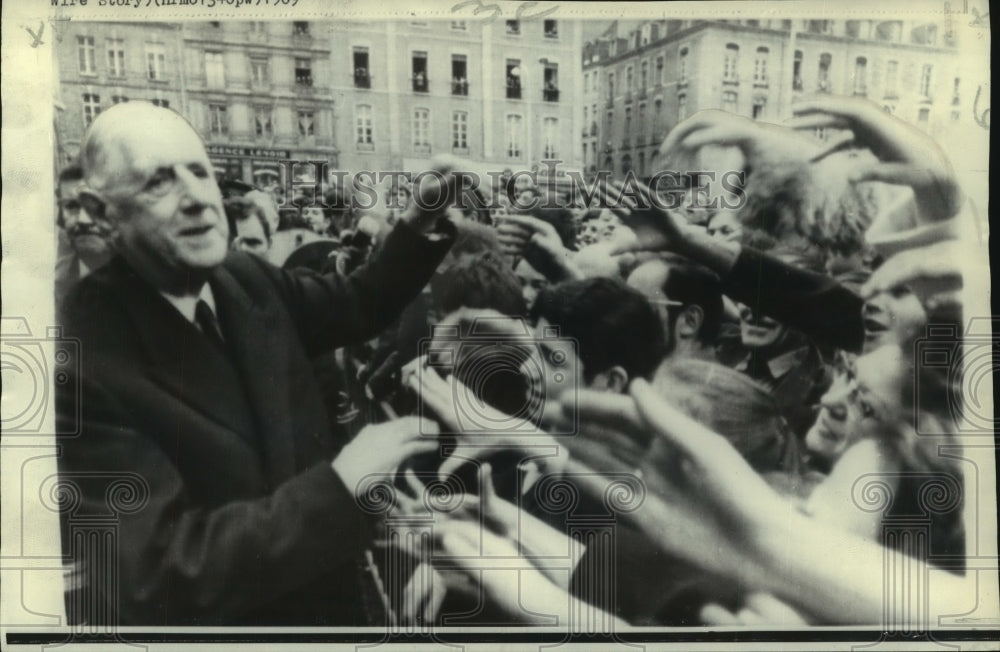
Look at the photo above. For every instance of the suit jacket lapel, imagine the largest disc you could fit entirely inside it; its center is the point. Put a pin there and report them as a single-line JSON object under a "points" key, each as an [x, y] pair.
{"points": [[182, 360], [252, 328]]}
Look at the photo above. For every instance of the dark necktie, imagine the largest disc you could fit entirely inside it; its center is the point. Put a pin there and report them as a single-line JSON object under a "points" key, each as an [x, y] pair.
{"points": [[209, 325]]}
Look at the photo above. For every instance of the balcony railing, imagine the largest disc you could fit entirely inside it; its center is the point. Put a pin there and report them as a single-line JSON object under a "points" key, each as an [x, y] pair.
{"points": [[362, 79], [550, 95], [513, 92], [303, 80], [420, 84], [459, 87]]}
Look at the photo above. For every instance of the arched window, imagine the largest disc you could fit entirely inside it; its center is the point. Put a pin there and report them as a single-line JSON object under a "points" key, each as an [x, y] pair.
{"points": [[760, 66], [731, 62]]}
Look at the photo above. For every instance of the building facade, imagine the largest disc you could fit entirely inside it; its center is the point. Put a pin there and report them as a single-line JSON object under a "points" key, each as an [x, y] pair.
{"points": [[101, 64], [502, 95], [360, 95], [659, 73], [260, 93]]}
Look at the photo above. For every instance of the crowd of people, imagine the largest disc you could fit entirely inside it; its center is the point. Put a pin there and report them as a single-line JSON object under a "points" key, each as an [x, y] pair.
{"points": [[344, 416]]}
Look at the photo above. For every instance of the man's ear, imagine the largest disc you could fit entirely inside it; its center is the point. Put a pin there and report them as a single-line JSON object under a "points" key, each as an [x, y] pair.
{"points": [[614, 380], [690, 322]]}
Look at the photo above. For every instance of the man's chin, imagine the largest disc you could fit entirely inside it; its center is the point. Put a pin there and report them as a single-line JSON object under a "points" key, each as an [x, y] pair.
{"points": [[91, 245], [204, 260]]}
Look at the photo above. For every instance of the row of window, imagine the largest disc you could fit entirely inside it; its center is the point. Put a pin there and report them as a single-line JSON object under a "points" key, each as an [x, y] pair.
{"points": [[420, 70], [890, 85], [550, 28], [514, 134], [92, 105], [156, 55], [888, 31], [730, 73], [645, 81], [263, 123], [590, 117], [260, 70], [364, 128]]}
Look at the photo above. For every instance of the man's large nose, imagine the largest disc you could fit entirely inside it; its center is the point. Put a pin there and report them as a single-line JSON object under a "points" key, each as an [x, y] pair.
{"points": [[83, 217], [196, 192]]}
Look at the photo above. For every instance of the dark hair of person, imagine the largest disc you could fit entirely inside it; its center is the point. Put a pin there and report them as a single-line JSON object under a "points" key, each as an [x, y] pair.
{"points": [[694, 284], [612, 324], [473, 238], [561, 219], [478, 282], [239, 209], [70, 173]]}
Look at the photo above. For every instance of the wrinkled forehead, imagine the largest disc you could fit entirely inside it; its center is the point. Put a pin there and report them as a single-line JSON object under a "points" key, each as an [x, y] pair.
{"points": [[128, 152]]}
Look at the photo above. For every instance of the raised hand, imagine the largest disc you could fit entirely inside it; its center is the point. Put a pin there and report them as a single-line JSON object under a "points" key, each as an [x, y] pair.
{"points": [[906, 156], [381, 448], [433, 194], [934, 272], [449, 399], [511, 581], [759, 142], [703, 502], [539, 242]]}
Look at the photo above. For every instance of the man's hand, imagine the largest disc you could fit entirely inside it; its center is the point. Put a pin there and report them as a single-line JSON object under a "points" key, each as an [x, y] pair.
{"points": [[434, 193], [381, 448], [934, 272], [704, 503], [538, 242], [906, 156], [760, 143], [653, 227], [511, 582], [447, 399]]}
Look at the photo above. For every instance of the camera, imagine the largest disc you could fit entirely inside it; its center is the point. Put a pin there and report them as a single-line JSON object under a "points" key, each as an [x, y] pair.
{"points": [[508, 377], [950, 374], [32, 367]]}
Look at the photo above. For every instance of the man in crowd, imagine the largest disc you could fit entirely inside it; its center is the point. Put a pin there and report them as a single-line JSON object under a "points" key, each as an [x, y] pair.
{"points": [[617, 338], [196, 390], [248, 227], [688, 298], [532, 281], [87, 238]]}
